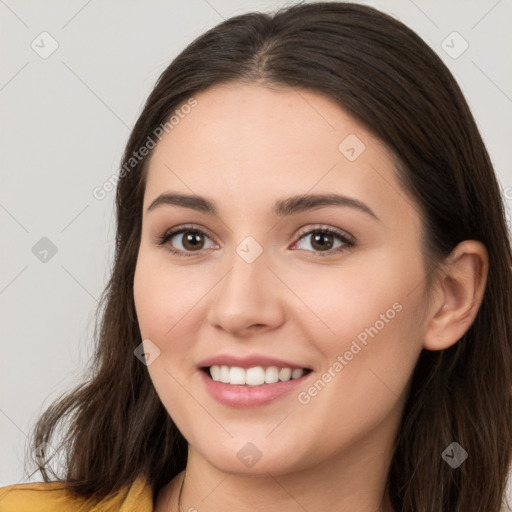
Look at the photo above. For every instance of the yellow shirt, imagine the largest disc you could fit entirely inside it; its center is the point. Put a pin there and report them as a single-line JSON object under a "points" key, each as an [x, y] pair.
{"points": [[53, 497]]}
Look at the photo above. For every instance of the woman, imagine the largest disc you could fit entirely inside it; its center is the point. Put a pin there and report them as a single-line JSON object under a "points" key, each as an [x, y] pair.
{"points": [[342, 338]]}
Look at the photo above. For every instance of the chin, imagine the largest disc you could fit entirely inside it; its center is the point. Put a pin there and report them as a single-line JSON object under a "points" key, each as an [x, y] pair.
{"points": [[256, 458]]}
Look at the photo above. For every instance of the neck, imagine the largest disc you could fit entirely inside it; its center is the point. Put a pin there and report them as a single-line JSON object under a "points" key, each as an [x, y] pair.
{"points": [[347, 482]]}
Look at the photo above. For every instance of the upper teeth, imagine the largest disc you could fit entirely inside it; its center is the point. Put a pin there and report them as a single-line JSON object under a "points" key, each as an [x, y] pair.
{"points": [[255, 376]]}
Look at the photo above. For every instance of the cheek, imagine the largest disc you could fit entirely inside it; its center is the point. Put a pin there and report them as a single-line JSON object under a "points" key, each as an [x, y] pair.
{"points": [[163, 304], [366, 368], [364, 321], [162, 296], [346, 301]]}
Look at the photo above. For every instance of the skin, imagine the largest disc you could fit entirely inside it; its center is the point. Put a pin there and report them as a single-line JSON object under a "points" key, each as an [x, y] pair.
{"points": [[244, 146]]}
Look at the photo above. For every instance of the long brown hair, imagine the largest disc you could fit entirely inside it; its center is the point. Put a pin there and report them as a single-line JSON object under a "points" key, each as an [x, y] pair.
{"points": [[382, 73]]}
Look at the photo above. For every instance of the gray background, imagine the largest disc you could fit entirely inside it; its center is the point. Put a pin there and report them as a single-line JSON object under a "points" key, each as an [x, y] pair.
{"points": [[65, 120]]}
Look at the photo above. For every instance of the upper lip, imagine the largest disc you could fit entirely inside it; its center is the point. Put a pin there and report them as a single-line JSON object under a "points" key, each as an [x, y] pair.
{"points": [[248, 361]]}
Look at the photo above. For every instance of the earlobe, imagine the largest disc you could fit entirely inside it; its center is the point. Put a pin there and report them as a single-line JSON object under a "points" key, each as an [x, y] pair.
{"points": [[461, 290]]}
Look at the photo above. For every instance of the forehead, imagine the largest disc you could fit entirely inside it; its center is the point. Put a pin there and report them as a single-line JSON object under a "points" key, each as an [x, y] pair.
{"points": [[260, 123], [247, 144]]}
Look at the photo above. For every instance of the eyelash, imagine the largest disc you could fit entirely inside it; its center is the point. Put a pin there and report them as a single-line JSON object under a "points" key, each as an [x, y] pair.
{"points": [[341, 235]]}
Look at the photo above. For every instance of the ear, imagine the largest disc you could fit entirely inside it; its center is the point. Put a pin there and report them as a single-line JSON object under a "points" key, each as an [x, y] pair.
{"points": [[459, 294]]}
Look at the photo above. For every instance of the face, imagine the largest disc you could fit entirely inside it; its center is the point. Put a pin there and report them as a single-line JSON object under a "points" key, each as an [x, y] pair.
{"points": [[329, 291]]}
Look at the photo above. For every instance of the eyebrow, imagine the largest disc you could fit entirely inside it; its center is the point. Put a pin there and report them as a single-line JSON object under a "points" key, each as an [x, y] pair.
{"points": [[282, 207]]}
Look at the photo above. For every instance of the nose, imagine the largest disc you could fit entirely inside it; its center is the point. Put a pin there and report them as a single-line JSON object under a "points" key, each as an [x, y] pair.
{"points": [[249, 298]]}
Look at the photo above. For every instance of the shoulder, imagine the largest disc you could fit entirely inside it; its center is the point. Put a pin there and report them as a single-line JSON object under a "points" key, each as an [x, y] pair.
{"points": [[55, 497], [38, 496]]}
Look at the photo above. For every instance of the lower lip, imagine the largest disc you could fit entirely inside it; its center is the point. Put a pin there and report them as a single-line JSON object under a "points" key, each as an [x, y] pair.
{"points": [[249, 396]]}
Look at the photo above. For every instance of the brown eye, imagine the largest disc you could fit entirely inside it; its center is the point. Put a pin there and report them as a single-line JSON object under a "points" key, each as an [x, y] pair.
{"points": [[184, 241], [323, 240], [192, 240]]}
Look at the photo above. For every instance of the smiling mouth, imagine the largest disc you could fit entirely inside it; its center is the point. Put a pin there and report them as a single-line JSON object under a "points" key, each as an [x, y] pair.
{"points": [[254, 376]]}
